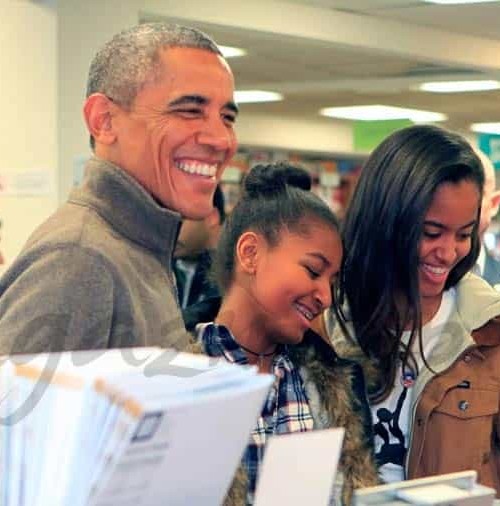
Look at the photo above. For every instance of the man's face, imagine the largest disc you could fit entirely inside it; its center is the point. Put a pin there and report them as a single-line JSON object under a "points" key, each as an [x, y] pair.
{"points": [[177, 138]]}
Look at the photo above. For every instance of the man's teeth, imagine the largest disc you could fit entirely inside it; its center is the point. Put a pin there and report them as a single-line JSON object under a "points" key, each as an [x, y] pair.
{"points": [[304, 311], [202, 169]]}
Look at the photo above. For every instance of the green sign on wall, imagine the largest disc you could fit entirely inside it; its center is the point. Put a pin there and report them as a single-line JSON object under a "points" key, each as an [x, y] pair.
{"points": [[369, 134], [489, 144]]}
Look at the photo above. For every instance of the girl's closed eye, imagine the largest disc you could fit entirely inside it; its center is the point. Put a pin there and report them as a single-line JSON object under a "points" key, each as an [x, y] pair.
{"points": [[431, 235], [464, 236], [313, 273]]}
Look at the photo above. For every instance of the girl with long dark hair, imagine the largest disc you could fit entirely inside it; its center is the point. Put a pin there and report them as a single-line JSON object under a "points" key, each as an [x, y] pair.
{"points": [[427, 331]]}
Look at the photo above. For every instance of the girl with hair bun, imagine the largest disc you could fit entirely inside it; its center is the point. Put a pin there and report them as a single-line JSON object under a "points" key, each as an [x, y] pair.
{"points": [[426, 328], [278, 256]]}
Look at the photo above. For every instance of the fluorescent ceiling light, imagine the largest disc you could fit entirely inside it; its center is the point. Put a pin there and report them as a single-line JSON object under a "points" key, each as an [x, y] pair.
{"points": [[232, 52], [486, 128], [251, 96], [455, 2], [459, 86], [381, 112]]}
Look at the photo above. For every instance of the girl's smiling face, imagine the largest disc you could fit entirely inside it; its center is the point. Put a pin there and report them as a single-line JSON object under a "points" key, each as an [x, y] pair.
{"points": [[293, 279], [446, 238]]}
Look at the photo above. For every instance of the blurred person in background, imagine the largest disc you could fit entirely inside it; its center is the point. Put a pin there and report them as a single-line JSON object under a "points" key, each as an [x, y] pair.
{"points": [[487, 265], [193, 254]]}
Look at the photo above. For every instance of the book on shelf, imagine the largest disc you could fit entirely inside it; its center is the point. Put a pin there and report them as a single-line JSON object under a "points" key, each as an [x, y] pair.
{"points": [[138, 427]]}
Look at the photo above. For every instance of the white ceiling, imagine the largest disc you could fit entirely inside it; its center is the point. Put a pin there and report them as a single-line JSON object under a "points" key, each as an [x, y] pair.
{"points": [[474, 19], [322, 53]]}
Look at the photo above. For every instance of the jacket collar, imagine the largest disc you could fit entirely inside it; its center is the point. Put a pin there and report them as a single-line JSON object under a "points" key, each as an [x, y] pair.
{"points": [[472, 323], [123, 203], [489, 334], [477, 301]]}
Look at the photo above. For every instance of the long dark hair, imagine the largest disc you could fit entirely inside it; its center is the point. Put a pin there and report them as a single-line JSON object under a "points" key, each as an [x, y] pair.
{"points": [[382, 232]]}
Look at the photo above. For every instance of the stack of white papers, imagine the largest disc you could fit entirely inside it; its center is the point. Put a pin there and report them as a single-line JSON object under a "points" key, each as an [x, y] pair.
{"points": [[140, 426]]}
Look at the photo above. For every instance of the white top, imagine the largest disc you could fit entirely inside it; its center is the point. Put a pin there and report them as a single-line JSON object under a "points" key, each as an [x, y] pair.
{"points": [[391, 417]]}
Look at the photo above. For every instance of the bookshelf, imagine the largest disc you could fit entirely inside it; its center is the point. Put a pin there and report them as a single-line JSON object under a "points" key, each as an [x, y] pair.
{"points": [[334, 175]]}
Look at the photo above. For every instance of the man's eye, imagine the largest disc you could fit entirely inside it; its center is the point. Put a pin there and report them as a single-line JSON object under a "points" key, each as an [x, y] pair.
{"points": [[229, 118], [188, 112]]}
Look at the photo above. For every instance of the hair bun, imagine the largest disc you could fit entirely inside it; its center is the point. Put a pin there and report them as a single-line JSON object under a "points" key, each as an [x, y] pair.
{"points": [[268, 180]]}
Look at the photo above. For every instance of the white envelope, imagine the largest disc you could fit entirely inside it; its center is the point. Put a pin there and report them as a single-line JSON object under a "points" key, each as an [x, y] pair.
{"points": [[299, 469]]}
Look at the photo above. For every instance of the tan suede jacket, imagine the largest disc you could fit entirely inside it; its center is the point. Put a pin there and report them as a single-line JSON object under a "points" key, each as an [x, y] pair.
{"points": [[456, 422], [455, 409]]}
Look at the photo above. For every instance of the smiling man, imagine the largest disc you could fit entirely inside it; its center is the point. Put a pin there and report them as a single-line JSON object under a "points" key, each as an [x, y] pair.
{"points": [[96, 274]]}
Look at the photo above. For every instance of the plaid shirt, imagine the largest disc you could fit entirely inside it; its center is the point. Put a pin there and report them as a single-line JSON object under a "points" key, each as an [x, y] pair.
{"points": [[286, 408]]}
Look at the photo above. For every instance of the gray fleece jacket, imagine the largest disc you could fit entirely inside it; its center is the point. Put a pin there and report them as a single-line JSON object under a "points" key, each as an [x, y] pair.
{"points": [[96, 274]]}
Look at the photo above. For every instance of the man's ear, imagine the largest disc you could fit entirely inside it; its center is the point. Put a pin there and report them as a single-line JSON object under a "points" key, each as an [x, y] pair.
{"points": [[247, 251], [495, 202], [97, 113]]}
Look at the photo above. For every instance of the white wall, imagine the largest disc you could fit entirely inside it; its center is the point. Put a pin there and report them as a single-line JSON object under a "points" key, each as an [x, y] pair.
{"points": [[28, 123], [84, 26], [296, 134]]}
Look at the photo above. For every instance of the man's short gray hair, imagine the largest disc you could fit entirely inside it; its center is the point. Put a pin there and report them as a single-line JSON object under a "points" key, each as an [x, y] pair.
{"points": [[131, 58]]}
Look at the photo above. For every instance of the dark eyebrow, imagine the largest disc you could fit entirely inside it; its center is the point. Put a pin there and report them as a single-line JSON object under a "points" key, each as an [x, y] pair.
{"points": [[200, 100], [232, 107], [189, 99], [440, 225]]}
